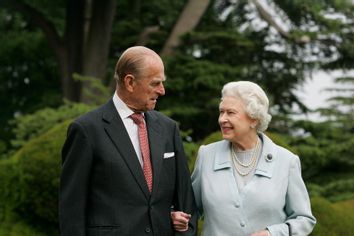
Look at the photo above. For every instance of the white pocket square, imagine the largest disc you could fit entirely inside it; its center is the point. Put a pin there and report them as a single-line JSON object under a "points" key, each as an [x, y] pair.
{"points": [[168, 154]]}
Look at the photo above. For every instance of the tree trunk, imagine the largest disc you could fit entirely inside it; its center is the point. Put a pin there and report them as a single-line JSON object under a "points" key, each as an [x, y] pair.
{"points": [[84, 47], [74, 38], [188, 20], [97, 42]]}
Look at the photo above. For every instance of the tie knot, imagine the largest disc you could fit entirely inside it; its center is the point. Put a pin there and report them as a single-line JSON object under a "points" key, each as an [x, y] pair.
{"points": [[137, 118]]}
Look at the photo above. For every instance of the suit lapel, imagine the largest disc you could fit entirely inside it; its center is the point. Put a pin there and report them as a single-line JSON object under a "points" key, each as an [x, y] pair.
{"points": [[156, 147], [115, 129]]}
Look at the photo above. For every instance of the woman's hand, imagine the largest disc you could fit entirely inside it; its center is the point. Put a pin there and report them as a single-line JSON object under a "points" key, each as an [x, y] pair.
{"points": [[261, 233], [180, 220]]}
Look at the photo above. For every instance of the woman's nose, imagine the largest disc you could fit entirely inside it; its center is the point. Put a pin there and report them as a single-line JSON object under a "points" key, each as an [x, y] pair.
{"points": [[222, 118]]}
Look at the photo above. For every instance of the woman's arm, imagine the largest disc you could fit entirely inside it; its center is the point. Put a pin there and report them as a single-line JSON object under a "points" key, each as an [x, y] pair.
{"points": [[300, 220]]}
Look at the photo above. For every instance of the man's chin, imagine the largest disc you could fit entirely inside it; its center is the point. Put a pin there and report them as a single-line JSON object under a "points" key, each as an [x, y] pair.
{"points": [[149, 108]]}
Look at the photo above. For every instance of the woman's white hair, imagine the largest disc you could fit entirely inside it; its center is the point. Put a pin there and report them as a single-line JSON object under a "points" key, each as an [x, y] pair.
{"points": [[253, 98]]}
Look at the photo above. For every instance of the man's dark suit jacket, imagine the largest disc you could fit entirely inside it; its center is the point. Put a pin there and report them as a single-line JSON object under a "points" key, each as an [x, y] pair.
{"points": [[103, 191]]}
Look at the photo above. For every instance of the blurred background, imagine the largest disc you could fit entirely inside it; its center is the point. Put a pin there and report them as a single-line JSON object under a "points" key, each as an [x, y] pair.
{"points": [[57, 59]]}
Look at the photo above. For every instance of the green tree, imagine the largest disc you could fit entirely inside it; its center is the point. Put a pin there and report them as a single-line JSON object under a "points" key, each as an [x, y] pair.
{"points": [[44, 43], [275, 46], [326, 147], [28, 75], [78, 32]]}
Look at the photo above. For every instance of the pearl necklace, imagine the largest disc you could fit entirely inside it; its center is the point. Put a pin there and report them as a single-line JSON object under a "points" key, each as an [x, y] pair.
{"points": [[249, 165]]}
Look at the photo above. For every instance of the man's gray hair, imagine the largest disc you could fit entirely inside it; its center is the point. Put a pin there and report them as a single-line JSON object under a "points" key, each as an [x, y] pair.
{"points": [[135, 60]]}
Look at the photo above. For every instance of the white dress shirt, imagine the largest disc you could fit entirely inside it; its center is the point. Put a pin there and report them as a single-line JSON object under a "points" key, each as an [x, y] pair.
{"points": [[124, 112]]}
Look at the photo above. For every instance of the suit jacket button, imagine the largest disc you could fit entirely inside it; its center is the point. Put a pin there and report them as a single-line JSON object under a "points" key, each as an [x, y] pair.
{"points": [[147, 230]]}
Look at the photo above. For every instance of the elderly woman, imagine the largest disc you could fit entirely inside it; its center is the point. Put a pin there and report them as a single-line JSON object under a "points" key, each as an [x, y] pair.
{"points": [[246, 184]]}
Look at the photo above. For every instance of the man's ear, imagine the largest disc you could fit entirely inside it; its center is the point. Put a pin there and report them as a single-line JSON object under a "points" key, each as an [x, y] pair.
{"points": [[129, 82]]}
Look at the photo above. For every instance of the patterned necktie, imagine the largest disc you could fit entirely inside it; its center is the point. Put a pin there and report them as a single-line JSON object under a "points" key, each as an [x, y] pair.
{"points": [[144, 147]]}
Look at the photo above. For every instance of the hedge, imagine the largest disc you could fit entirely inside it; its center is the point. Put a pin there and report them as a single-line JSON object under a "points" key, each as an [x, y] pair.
{"points": [[30, 181]]}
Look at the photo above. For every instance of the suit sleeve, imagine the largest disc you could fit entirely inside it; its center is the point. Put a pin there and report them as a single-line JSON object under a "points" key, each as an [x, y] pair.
{"points": [[300, 220], [76, 164], [184, 192]]}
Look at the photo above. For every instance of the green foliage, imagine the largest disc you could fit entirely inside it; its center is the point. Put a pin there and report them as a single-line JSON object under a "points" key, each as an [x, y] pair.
{"points": [[191, 150], [240, 46], [26, 127], [9, 189], [333, 219], [327, 147], [31, 179], [55, 12], [97, 93], [202, 64], [20, 228], [136, 16], [326, 152], [338, 188], [341, 106], [29, 126], [185, 76], [28, 77], [213, 137], [230, 43], [281, 140]]}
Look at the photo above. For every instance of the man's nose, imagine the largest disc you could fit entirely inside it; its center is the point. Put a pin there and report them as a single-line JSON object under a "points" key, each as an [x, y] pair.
{"points": [[161, 90]]}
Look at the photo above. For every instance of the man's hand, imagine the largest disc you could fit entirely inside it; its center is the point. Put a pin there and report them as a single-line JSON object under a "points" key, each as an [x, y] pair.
{"points": [[180, 220]]}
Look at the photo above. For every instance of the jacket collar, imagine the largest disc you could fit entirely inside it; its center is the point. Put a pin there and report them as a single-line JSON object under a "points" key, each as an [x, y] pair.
{"points": [[265, 166], [267, 159], [222, 156]]}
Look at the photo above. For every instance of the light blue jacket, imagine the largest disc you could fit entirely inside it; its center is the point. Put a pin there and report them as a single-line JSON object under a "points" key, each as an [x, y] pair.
{"points": [[275, 198]]}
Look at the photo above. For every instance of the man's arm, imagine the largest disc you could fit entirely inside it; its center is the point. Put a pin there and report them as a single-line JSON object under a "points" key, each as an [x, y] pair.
{"points": [[185, 197]]}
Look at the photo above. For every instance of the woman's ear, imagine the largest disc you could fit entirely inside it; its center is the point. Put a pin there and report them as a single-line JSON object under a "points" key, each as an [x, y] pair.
{"points": [[129, 82], [254, 124]]}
